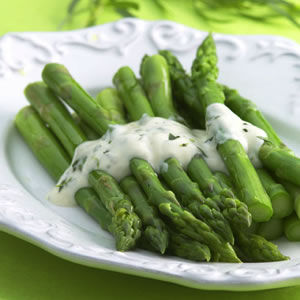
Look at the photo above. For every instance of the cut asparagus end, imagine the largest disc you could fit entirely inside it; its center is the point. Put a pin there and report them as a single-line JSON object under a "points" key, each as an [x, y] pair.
{"points": [[260, 212], [292, 228], [282, 205]]}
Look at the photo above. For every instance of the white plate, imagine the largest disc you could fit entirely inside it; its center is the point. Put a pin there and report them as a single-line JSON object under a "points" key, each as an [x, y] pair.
{"points": [[263, 68]]}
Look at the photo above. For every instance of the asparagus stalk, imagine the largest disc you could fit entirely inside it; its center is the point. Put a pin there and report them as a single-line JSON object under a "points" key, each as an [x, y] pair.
{"points": [[55, 114], [125, 223], [247, 182], [183, 246], [243, 174], [282, 202], [183, 220], [90, 133], [234, 210], [248, 111], [262, 250], [60, 81], [110, 101], [294, 191], [281, 162], [292, 228], [183, 89], [191, 197], [256, 248], [271, 230], [88, 200], [156, 80], [42, 142], [132, 93], [224, 180], [154, 228]]}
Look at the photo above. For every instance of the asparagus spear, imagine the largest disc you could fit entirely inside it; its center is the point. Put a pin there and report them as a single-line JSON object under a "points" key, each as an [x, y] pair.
{"points": [[261, 250], [224, 180], [90, 133], [183, 89], [183, 246], [294, 191], [60, 81], [249, 186], [90, 202], [183, 220], [156, 80], [191, 197], [125, 223], [281, 162], [154, 228], [271, 230], [243, 174], [109, 100], [282, 202], [248, 111], [292, 228], [42, 142], [257, 249], [234, 210], [274, 154], [55, 114], [132, 94]]}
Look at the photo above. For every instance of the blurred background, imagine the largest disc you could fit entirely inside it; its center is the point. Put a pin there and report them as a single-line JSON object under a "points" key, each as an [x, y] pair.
{"points": [[227, 16], [27, 272]]}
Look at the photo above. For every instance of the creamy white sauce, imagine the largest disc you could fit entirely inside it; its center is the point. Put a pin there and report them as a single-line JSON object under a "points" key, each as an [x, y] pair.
{"points": [[155, 140]]}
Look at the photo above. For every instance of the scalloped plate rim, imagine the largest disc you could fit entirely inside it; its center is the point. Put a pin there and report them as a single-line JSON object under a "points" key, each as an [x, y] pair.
{"points": [[234, 284]]}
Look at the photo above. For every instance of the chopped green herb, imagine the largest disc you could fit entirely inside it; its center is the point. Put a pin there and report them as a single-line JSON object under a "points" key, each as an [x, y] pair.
{"points": [[63, 184], [173, 137], [202, 152]]}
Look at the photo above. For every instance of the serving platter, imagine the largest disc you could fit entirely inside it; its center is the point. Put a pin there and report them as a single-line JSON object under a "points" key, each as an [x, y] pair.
{"points": [[265, 69]]}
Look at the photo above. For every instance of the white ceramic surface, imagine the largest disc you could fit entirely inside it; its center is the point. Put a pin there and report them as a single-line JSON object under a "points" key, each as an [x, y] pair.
{"points": [[263, 68]]}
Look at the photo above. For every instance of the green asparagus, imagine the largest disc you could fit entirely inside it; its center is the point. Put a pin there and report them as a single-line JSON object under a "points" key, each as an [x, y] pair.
{"points": [[42, 142], [234, 210], [192, 199], [183, 89], [89, 201], [154, 228], [183, 220], [60, 81], [55, 114], [292, 228], [89, 132], [183, 246], [125, 223], [110, 101], [271, 230], [281, 162], [248, 111], [243, 174], [156, 80], [294, 192], [257, 249], [224, 181], [132, 93], [248, 185], [282, 202]]}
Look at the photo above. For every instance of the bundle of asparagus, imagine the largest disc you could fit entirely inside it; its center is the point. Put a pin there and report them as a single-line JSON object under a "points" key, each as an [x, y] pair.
{"points": [[189, 212]]}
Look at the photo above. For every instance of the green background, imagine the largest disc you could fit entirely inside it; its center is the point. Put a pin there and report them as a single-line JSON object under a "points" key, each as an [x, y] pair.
{"points": [[27, 272]]}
